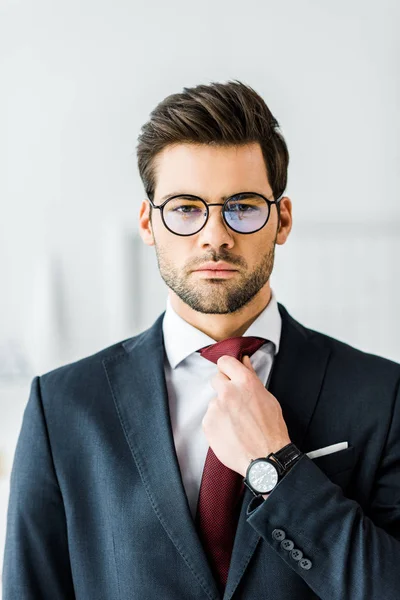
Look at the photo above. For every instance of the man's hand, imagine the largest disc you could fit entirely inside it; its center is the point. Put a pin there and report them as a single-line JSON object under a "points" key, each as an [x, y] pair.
{"points": [[244, 421]]}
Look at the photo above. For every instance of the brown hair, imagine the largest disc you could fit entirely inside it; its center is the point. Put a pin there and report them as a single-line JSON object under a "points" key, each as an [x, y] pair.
{"points": [[222, 114]]}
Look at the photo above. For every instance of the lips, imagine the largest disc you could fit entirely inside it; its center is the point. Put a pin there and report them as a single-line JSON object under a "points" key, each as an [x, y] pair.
{"points": [[216, 267]]}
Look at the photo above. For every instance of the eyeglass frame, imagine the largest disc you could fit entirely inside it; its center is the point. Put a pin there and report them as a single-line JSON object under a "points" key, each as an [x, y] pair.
{"points": [[192, 196]]}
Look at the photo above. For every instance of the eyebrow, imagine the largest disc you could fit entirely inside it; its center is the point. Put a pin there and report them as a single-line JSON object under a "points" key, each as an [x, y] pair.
{"points": [[223, 198]]}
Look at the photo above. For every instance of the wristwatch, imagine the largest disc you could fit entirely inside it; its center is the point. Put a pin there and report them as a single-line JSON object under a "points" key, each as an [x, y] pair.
{"points": [[263, 474]]}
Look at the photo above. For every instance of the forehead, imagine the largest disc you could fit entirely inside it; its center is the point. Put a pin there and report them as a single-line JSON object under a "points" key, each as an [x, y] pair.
{"points": [[210, 171]]}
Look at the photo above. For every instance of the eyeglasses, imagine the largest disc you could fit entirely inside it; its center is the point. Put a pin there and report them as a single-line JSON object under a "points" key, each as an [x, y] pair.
{"points": [[245, 212]]}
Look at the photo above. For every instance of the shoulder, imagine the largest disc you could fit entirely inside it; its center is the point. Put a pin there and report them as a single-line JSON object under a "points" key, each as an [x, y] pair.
{"points": [[345, 359], [86, 374]]}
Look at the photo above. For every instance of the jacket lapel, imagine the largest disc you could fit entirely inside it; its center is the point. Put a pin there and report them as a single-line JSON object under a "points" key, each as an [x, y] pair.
{"points": [[136, 377], [137, 381], [298, 375], [296, 380]]}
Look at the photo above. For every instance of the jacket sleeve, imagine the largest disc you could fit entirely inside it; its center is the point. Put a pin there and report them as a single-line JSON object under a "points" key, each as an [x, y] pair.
{"points": [[346, 553], [36, 560]]}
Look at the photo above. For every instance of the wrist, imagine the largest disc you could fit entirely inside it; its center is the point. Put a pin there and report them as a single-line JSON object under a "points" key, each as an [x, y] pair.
{"points": [[278, 446], [264, 473]]}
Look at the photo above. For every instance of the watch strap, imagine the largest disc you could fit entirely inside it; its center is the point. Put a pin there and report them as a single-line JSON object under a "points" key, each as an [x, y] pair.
{"points": [[287, 456]]}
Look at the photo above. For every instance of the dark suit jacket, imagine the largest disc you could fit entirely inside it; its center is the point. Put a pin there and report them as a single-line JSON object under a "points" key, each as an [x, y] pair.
{"points": [[98, 511]]}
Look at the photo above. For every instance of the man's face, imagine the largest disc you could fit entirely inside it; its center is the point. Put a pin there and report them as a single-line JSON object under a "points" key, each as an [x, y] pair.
{"points": [[212, 172]]}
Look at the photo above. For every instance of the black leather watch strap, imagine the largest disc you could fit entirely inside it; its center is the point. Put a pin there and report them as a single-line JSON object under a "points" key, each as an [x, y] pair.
{"points": [[287, 456]]}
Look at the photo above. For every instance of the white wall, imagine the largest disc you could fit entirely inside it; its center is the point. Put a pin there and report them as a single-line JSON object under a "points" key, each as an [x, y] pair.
{"points": [[78, 79]]}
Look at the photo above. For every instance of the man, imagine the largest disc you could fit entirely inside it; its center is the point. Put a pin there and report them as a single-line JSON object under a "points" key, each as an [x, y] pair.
{"points": [[227, 451]]}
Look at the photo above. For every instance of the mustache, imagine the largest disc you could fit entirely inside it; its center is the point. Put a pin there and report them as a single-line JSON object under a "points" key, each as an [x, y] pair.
{"points": [[234, 261]]}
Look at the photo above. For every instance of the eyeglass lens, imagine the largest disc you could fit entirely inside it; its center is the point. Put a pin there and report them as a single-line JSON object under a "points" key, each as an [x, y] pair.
{"points": [[186, 216]]}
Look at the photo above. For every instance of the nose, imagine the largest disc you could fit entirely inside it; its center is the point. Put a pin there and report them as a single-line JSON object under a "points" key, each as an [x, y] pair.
{"points": [[216, 232]]}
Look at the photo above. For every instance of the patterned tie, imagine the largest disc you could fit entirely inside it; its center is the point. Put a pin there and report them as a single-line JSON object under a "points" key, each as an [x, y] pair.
{"points": [[221, 489]]}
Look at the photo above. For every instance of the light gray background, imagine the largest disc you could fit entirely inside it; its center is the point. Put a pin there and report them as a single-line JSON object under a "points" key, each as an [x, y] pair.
{"points": [[78, 79]]}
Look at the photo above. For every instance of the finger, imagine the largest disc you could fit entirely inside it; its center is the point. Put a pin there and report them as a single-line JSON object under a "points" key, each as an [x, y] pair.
{"points": [[247, 363], [218, 380], [230, 366]]}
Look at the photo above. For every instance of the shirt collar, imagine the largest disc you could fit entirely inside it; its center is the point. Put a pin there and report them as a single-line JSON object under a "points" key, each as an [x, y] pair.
{"points": [[182, 339]]}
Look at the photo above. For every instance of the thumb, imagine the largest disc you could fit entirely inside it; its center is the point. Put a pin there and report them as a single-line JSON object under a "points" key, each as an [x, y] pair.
{"points": [[247, 363]]}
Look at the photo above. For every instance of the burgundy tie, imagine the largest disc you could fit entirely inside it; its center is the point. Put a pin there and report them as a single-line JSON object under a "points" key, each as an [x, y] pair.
{"points": [[221, 489]]}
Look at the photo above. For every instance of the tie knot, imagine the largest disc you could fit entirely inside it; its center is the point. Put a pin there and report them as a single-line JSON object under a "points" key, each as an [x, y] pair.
{"points": [[234, 346]]}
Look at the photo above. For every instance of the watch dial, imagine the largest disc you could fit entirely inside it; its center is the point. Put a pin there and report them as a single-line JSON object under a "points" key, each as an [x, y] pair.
{"points": [[263, 477]]}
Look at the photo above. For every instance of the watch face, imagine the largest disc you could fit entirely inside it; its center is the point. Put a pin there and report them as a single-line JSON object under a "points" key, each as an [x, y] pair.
{"points": [[263, 477]]}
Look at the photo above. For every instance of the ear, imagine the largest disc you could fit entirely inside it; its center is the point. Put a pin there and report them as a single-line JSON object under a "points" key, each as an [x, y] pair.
{"points": [[285, 222], [145, 227]]}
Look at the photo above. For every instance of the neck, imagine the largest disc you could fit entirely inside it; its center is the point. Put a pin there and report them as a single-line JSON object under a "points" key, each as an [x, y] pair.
{"points": [[221, 327]]}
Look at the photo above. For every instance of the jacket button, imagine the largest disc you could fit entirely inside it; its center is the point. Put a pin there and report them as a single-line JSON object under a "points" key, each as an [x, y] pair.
{"points": [[305, 563], [278, 534], [296, 554], [287, 545]]}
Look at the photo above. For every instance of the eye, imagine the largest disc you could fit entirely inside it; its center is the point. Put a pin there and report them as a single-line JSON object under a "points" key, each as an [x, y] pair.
{"points": [[186, 209], [241, 207]]}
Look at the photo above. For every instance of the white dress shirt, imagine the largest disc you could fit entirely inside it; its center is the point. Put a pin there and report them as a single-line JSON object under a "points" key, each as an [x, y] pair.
{"points": [[188, 376]]}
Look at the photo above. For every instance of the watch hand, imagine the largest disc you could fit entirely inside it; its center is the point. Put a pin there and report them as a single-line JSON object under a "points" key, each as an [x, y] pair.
{"points": [[259, 480]]}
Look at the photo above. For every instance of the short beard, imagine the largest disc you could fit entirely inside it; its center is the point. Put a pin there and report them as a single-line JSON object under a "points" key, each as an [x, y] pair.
{"points": [[219, 296]]}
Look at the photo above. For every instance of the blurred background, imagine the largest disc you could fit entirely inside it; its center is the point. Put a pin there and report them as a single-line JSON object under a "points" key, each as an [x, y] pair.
{"points": [[78, 79]]}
